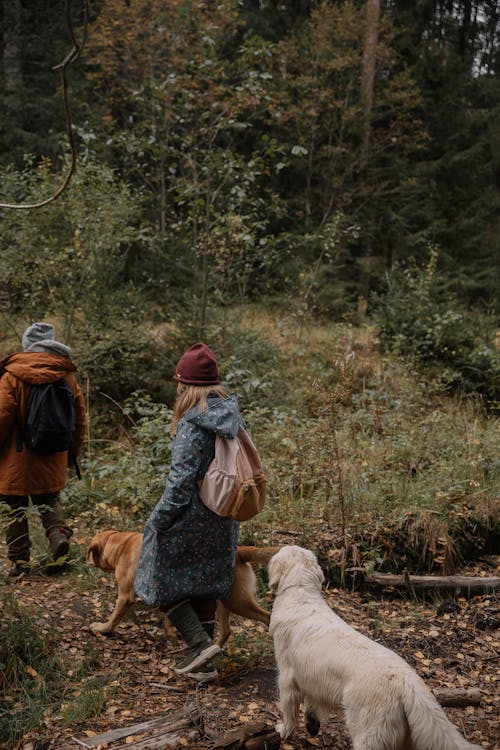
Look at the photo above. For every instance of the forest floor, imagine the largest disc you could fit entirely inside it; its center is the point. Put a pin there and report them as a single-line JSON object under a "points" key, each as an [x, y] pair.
{"points": [[451, 643]]}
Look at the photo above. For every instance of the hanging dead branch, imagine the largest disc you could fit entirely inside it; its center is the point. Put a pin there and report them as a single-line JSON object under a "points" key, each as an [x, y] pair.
{"points": [[62, 67]]}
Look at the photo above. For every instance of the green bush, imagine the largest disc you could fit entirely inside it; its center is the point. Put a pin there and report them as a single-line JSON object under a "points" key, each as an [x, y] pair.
{"points": [[70, 257], [123, 481], [419, 318], [119, 360]]}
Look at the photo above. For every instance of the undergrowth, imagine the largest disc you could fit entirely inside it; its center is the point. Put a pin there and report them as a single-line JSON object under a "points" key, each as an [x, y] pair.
{"points": [[419, 317], [369, 462], [37, 680], [358, 447], [31, 668]]}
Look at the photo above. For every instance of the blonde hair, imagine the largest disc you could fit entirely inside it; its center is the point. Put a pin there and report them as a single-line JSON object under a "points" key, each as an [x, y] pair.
{"points": [[189, 396]]}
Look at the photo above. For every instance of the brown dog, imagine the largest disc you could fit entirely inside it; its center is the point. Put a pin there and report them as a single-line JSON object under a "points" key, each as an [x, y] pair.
{"points": [[118, 552]]}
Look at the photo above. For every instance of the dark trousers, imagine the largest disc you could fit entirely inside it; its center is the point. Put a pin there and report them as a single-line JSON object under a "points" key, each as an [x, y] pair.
{"points": [[204, 608], [17, 531]]}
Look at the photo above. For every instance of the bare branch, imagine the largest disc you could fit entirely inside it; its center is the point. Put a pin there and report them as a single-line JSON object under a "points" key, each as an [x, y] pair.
{"points": [[62, 67]]}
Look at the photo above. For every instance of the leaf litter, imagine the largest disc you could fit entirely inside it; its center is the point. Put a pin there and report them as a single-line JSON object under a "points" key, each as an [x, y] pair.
{"points": [[451, 643]]}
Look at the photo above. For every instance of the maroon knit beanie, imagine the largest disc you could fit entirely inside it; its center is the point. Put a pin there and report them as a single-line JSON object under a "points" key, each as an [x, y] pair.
{"points": [[197, 366]]}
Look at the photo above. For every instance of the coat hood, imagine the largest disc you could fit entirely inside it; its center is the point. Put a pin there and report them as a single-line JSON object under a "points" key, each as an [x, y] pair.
{"points": [[37, 367], [222, 417]]}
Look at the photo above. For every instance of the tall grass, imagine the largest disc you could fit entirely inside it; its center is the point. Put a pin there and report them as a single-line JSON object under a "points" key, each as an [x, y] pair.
{"points": [[37, 681], [368, 461], [32, 670], [354, 440]]}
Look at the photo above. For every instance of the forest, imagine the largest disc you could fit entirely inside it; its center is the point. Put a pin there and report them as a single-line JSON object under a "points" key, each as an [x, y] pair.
{"points": [[312, 188]]}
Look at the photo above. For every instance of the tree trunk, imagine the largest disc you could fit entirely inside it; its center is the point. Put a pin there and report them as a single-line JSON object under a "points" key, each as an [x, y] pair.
{"points": [[368, 76], [12, 56]]}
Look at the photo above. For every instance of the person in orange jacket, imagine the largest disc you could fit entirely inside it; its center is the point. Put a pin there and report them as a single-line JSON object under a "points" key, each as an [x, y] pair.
{"points": [[25, 473]]}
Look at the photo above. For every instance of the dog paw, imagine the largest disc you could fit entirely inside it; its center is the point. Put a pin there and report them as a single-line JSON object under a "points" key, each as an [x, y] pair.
{"points": [[280, 728], [312, 722], [99, 627]]}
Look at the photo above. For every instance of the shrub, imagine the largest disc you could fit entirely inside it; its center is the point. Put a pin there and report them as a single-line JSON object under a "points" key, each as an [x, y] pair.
{"points": [[126, 478], [70, 257], [419, 318]]}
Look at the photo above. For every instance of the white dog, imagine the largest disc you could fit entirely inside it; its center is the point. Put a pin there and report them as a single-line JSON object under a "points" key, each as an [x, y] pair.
{"points": [[328, 665]]}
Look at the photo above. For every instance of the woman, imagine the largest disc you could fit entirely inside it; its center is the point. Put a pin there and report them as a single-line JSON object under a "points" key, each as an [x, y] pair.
{"points": [[188, 553]]}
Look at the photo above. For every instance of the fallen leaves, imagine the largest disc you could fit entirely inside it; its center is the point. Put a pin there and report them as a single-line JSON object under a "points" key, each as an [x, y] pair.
{"points": [[449, 650]]}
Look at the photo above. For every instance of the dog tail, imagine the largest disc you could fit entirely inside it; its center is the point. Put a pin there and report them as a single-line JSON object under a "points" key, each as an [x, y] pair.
{"points": [[93, 553], [429, 726], [256, 555]]}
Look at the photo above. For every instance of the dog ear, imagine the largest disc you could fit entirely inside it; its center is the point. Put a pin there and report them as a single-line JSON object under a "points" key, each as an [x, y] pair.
{"points": [[275, 569], [312, 565], [318, 572]]}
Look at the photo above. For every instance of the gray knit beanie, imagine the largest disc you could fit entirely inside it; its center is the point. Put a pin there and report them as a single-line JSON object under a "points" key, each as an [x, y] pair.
{"points": [[40, 337]]}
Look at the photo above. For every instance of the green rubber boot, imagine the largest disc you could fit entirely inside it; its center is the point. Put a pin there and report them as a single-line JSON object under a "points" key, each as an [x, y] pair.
{"points": [[201, 646], [208, 671]]}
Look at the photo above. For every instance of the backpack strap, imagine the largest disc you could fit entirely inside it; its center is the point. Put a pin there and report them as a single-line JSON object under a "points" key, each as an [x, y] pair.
{"points": [[251, 453], [73, 460], [20, 437]]}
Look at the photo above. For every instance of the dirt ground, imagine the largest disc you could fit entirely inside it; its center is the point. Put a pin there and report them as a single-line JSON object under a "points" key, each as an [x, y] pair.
{"points": [[450, 642]]}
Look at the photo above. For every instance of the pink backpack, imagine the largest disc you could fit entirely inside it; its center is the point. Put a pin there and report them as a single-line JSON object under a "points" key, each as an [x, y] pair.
{"points": [[234, 484]]}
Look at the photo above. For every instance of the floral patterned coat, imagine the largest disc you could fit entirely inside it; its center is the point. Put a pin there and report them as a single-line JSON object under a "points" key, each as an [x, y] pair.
{"points": [[188, 550]]}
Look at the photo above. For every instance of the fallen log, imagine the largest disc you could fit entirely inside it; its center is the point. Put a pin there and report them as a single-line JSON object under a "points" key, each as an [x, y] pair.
{"points": [[464, 584], [258, 736], [457, 697], [168, 741], [163, 733]]}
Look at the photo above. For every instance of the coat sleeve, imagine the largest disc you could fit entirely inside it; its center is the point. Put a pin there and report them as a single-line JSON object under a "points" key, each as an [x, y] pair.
{"points": [[187, 452], [8, 407]]}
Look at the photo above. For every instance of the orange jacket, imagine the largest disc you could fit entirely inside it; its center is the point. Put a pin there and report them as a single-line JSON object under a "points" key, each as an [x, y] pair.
{"points": [[26, 472]]}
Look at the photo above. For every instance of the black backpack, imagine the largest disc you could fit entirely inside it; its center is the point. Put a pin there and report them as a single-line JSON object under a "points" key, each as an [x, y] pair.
{"points": [[50, 418]]}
